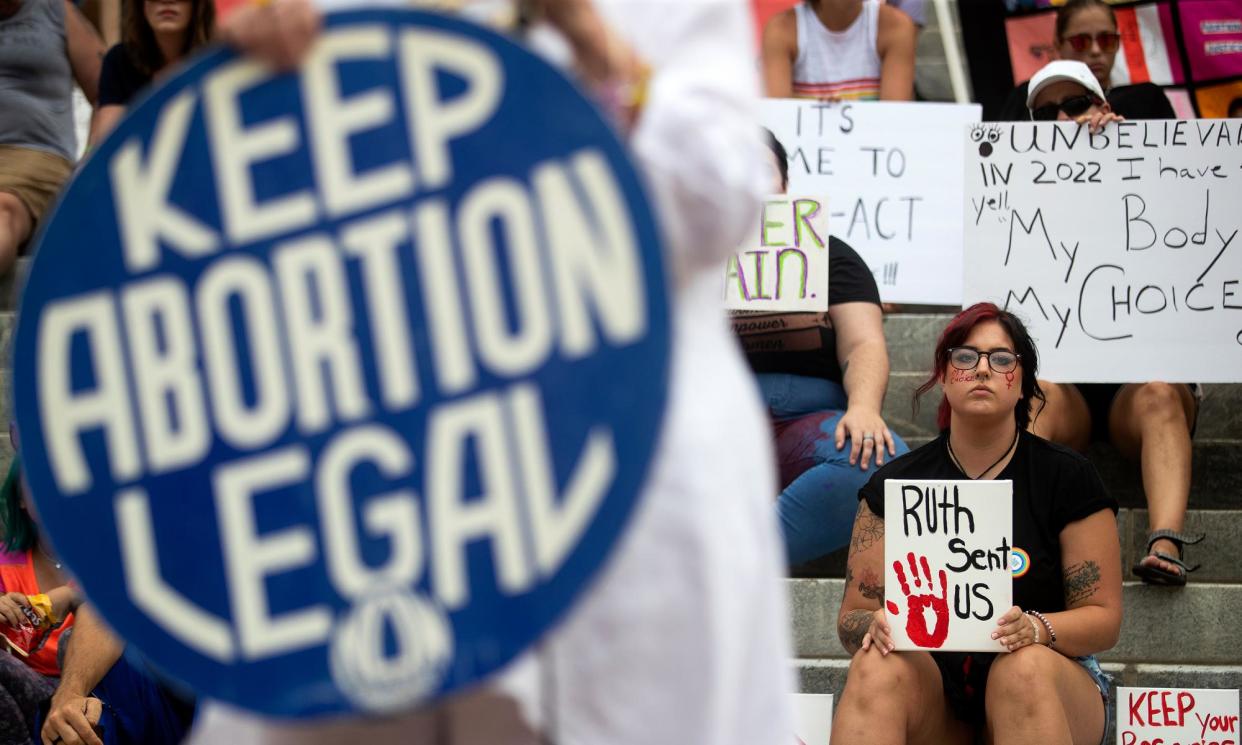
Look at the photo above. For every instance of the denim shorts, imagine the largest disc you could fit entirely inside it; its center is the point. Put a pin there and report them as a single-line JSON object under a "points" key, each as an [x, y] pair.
{"points": [[1104, 683]]}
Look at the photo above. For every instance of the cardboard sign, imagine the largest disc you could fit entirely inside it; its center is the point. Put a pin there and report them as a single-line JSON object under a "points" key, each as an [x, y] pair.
{"points": [[1177, 716], [812, 718], [1122, 250], [890, 171], [783, 265], [336, 387], [947, 571]]}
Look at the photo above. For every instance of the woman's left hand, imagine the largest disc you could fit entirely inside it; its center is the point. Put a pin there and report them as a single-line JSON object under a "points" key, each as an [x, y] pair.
{"points": [[11, 604], [1015, 630], [868, 435]]}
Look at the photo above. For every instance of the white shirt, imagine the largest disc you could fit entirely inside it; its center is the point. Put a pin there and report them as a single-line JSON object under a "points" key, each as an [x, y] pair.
{"points": [[684, 638]]}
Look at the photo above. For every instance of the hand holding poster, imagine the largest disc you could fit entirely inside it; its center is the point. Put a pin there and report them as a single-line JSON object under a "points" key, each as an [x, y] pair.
{"points": [[337, 386], [1122, 250], [783, 266], [947, 577], [1177, 716], [891, 172]]}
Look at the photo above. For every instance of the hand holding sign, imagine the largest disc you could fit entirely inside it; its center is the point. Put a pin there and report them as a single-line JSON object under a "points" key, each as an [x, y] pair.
{"points": [[1016, 630], [916, 604]]}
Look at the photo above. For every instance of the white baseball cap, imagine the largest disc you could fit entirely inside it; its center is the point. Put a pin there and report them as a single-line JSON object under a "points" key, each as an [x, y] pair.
{"points": [[1062, 69]]}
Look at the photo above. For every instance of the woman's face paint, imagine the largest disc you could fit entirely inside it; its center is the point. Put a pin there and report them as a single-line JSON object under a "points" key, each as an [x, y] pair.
{"points": [[962, 376], [1009, 379]]}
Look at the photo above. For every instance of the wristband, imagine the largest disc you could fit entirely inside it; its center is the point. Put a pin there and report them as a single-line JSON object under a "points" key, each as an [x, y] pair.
{"points": [[1034, 627], [1052, 635]]}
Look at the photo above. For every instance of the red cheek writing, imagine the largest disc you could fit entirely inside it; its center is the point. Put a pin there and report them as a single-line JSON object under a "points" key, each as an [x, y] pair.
{"points": [[962, 376]]}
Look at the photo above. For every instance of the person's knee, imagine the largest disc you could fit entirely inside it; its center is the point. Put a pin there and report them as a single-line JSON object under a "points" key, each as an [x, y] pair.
{"points": [[874, 680], [1158, 399], [1022, 682]]}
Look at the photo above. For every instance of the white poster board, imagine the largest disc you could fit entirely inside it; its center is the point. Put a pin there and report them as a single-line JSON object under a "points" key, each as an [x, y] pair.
{"points": [[812, 718], [783, 264], [892, 171], [947, 577], [1123, 250], [1177, 716]]}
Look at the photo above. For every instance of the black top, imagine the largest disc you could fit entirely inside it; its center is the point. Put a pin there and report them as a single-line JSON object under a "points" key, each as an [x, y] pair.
{"points": [[1053, 486], [1138, 101], [806, 343], [119, 79]]}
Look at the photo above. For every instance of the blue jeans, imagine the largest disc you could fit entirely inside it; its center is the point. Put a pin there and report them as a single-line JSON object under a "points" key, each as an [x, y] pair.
{"points": [[819, 487]]}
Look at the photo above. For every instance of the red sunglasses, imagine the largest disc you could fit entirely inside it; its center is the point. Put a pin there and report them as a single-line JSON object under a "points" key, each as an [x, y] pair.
{"points": [[1107, 41]]}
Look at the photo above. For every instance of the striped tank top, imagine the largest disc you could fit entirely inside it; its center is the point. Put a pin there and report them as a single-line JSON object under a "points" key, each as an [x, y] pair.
{"points": [[837, 66]]}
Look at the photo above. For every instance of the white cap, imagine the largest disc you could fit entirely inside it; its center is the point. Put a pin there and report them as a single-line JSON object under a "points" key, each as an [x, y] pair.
{"points": [[1062, 69]]}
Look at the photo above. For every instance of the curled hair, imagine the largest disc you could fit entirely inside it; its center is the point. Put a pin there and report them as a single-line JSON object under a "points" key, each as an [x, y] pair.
{"points": [[955, 334], [17, 530], [139, 40], [1072, 7]]}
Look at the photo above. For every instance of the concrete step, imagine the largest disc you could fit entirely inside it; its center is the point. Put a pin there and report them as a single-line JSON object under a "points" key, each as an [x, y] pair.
{"points": [[1194, 625], [828, 675], [1218, 553]]}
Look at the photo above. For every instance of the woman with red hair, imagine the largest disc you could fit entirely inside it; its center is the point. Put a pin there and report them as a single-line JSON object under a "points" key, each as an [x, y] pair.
{"points": [[1048, 687]]}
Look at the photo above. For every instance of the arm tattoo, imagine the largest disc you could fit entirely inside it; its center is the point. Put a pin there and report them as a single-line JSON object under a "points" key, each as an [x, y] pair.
{"points": [[853, 628], [871, 586], [1081, 581], [867, 529]]}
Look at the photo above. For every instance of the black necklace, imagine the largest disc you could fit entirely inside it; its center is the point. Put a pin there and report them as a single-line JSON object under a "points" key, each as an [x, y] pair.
{"points": [[949, 441]]}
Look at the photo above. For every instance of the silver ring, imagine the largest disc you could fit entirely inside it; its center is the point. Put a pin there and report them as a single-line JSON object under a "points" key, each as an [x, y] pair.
{"points": [[868, 437]]}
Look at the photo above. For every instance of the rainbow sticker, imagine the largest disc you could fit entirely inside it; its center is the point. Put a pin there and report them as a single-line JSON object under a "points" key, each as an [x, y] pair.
{"points": [[1019, 562]]}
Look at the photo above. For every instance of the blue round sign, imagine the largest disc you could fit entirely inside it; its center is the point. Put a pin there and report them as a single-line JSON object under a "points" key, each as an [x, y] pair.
{"points": [[337, 387]]}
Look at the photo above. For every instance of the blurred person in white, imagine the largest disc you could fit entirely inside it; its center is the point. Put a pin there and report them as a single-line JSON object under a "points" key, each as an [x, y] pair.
{"points": [[45, 46], [683, 638]]}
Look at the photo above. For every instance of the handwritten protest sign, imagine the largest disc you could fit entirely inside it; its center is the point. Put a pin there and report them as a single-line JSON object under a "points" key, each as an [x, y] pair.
{"points": [[812, 718], [1122, 249], [337, 386], [1177, 716], [891, 173], [783, 265], [947, 553]]}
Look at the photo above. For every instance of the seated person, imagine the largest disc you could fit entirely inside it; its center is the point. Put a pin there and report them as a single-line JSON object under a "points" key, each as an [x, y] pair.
{"points": [[45, 45], [33, 587], [840, 50], [1086, 31], [823, 376], [1147, 422], [155, 36], [104, 699], [1048, 688]]}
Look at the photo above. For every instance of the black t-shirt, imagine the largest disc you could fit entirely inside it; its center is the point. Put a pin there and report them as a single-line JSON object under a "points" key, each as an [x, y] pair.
{"points": [[1138, 101], [806, 343], [1053, 486], [119, 79]]}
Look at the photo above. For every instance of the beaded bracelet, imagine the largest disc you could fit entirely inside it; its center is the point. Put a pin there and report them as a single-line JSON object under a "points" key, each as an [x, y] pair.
{"points": [[1052, 635]]}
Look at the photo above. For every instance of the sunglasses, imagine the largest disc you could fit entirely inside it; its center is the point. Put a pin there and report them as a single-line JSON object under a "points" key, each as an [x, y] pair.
{"points": [[1073, 107], [1107, 41]]}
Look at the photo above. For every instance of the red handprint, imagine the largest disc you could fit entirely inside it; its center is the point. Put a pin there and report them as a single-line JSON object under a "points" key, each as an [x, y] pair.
{"points": [[916, 624]]}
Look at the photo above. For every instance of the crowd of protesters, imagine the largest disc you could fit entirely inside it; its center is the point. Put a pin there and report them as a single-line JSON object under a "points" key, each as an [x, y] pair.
{"points": [[824, 449]]}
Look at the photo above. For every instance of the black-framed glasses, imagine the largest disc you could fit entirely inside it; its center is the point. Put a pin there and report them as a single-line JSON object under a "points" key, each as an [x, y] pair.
{"points": [[1107, 41], [1073, 106], [967, 358]]}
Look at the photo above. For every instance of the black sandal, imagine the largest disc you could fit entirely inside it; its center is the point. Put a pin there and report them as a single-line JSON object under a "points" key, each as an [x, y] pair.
{"points": [[1156, 575]]}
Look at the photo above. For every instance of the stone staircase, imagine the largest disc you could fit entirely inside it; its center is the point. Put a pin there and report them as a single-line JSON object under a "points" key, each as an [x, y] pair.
{"points": [[1188, 637]]}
